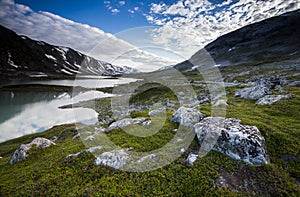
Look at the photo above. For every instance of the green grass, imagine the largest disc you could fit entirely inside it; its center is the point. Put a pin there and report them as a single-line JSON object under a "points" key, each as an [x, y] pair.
{"points": [[47, 172]]}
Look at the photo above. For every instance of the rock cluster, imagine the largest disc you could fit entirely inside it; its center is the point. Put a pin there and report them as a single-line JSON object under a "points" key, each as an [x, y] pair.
{"points": [[23, 151], [260, 90]]}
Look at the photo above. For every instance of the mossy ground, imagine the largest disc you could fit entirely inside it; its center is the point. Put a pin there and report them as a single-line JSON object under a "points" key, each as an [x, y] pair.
{"points": [[47, 172]]}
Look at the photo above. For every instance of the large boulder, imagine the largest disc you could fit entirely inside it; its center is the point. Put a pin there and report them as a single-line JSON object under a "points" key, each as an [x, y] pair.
{"points": [[187, 116], [23, 151], [270, 99], [234, 139], [124, 122], [255, 92]]}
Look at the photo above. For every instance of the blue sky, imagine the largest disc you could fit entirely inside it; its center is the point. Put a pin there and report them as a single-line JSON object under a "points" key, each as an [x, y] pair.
{"points": [[143, 34]]}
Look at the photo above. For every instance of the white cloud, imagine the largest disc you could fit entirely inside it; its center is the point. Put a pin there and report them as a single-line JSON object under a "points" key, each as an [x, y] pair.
{"points": [[131, 11], [57, 30], [136, 8], [121, 3], [188, 25], [115, 10]]}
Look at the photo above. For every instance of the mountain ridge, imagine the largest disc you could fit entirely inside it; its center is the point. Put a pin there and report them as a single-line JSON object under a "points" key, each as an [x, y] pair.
{"points": [[22, 57]]}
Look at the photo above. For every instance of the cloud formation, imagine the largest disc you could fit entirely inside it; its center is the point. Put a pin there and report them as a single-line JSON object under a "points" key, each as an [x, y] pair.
{"points": [[188, 25], [57, 30]]}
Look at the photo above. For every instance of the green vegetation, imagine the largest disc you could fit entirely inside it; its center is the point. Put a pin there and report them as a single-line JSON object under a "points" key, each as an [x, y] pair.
{"points": [[47, 172]]}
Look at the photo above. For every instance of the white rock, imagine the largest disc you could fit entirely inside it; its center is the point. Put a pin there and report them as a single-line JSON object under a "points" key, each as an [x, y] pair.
{"points": [[192, 158], [255, 92], [187, 116], [270, 99], [156, 111], [124, 122], [22, 152], [234, 139], [115, 159]]}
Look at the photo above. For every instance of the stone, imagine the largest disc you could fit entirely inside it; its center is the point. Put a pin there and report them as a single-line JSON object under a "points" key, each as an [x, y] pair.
{"points": [[23, 151], [148, 157], [295, 84], [220, 102], [115, 159], [192, 158], [54, 138], [187, 116], [93, 150], [124, 122], [270, 99], [235, 140], [254, 93], [203, 98], [146, 123], [156, 111]]}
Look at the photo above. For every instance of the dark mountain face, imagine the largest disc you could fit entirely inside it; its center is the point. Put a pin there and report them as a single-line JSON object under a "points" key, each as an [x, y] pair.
{"points": [[272, 40], [22, 57]]}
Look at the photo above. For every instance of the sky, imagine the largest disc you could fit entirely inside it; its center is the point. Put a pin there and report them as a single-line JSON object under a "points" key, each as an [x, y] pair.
{"points": [[146, 34]]}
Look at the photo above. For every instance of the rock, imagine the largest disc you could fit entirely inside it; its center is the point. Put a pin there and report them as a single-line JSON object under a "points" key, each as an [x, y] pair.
{"points": [[115, 159], [156, 111], [76, 136], [98, 130], [234, 139], [220, 102], [54, 138], [270, 99], [255, 92], [192, 158], [295, 84], [23, 151], [280, 89], [124, 122], [151, 157], [203, 98], [1, 157], [93, 150], [105, 120], [187, 116], [146, 123], [73, 155], [172, 104], [221, 182]]}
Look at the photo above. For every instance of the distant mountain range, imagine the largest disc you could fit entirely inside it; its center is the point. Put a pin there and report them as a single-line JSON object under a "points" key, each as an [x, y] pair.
{"points": [[275, 39], [22, 57]]}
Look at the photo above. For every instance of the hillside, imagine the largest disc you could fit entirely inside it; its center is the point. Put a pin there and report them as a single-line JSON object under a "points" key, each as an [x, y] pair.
{"points": [[22, 57], [273, 40]]}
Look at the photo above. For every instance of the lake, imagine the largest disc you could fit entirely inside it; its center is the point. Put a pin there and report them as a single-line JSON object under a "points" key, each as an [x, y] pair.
{"points": [[31, 112]]}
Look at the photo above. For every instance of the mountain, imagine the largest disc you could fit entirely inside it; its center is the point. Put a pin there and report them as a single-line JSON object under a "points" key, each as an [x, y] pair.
{"points": [[275, 39], [22, 57]]}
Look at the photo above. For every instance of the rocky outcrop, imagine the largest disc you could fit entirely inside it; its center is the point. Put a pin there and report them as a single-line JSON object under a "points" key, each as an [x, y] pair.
{"points": [[124, 122], [187, 116], [254, 93], [270, 99], [295, 84], [23, 151], [234, 139]]}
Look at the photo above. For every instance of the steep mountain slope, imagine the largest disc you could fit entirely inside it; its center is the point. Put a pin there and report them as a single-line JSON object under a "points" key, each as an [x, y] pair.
{"points": [[21, 56], [273, 40]]}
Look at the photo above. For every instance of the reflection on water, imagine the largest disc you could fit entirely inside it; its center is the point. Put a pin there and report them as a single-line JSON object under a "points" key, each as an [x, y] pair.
{"points": [[86, 83], [25, 113]]}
